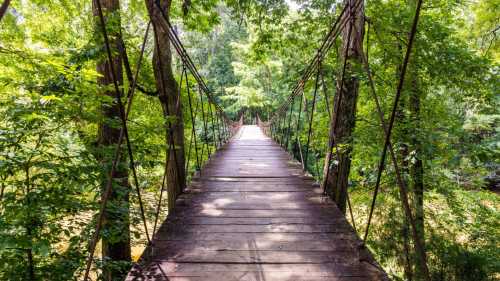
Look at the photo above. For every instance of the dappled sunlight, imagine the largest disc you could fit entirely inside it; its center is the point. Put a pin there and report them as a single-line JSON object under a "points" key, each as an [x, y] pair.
{"points": [[254, 220], [251, 132], [211, 212], [240, 140], [217, 203], [258, 165]]}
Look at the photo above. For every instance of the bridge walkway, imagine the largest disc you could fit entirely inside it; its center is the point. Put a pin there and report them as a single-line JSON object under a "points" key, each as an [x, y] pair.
{"points": [[252, 214]]}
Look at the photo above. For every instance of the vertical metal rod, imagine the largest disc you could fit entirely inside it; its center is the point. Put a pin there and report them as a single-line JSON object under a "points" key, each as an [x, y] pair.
{"points": [[123, 134], [297, 136], [403, 191], [193, 120], [214, 140], [289, 123], [218, 128], [339, 101], [325, 93], [312, 117], [204, 125]]}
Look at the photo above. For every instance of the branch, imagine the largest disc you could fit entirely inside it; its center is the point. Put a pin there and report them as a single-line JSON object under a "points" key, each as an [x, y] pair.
{"points": [[3, 8]]}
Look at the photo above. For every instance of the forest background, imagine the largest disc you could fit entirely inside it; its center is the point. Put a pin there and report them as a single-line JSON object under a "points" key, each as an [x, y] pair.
{"points": [[251, 53]]}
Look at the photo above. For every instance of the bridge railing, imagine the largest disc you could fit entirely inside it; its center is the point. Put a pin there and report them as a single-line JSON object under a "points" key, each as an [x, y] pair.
{"points": [[292, 125], [264, 126], [208, 129]]}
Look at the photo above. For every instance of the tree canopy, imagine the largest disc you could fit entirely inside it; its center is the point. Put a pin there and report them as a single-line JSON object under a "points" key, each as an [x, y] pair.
{"points": [[251, 53]]}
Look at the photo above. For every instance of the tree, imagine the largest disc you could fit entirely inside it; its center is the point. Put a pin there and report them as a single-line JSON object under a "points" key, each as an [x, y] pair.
{"points": [[59, 121], [116, 223], [169, 96], [343, 119]]}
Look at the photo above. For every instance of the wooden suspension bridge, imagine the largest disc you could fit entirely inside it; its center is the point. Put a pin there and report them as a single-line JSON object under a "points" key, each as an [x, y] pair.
{"points": [[252, 214]]}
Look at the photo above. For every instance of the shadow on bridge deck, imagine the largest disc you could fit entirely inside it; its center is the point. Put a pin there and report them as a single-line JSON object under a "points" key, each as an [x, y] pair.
{"points": [[253, 215]]}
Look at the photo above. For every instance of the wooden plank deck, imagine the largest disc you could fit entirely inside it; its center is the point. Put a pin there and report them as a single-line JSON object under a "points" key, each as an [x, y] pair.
{"points": [[253, 215]]}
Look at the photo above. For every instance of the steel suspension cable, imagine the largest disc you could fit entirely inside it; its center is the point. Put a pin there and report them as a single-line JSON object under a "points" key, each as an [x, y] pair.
{"points": [[187, 60], [137, 69], [387, 144], [289, 123], [350, 212], [328, 42], [297, 136], [191, 137], [339, 101], [181, 51], [123, 134], [163, 184], [218, 128], [123, 52], [326, 97], [283, 129], [193, 121], [212, 126], [205, 137], [313, 106], [170, 132]]}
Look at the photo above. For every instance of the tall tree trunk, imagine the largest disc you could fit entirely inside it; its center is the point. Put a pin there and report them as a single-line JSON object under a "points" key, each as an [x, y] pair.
{"points": [[168, 93], [116, 223], [343, 119], [417, 168], [405, 257]]}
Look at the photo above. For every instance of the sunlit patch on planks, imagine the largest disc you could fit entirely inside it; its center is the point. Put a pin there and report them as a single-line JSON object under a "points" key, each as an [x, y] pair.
{"points": [[253, 215]]}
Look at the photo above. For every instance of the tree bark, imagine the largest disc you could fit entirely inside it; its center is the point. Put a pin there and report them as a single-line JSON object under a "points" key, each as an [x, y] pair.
{"points": [[169, 96], [343, 120], [116, 223]]}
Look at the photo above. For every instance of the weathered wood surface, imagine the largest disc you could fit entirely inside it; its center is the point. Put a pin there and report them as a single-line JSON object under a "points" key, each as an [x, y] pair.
{"points": [[253, 215]]}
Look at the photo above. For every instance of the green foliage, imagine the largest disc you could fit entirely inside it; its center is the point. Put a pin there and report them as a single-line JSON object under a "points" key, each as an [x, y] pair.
{"points": [[251, 53], [458, 125]]}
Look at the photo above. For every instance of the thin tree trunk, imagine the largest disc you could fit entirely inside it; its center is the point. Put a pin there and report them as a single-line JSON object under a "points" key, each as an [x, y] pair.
{"points": [[116, 223], [30, 223], [417, 168], [405, 226], [168, 93], [2, 190], [404, 153], [343, 120]]}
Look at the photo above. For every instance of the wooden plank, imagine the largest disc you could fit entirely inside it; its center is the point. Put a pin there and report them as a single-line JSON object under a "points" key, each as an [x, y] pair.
{"points": [[253, 245], [256, 257], [244, 276], [252, 214], [270, 237], [260, 228], [253, 188], [227, 211], [254, 221], [321, 269], [272, 179], [221, 204], [270, 196], [257, 272]]}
